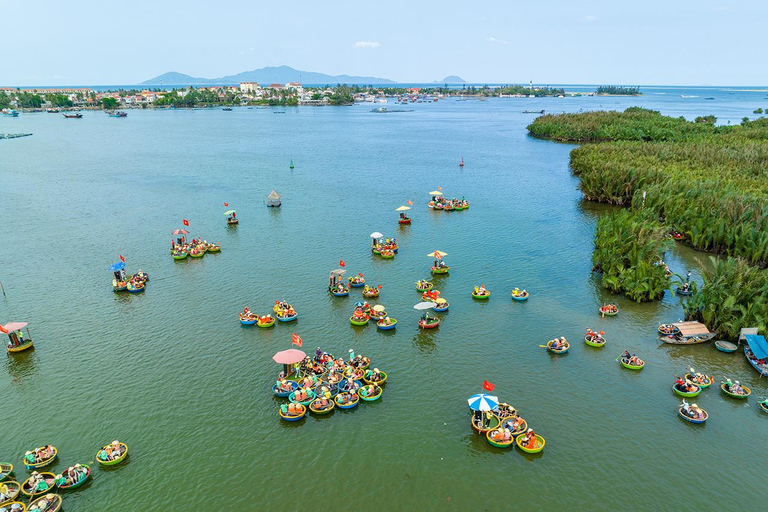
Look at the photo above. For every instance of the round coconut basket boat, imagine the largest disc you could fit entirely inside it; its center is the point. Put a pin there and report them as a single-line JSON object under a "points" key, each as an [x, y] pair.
{"points": [[365, 393], [316, 406], [726, 346], [562, 350], [12, 490], [49, 478], [347, 405], [285, 393], [594, 341], [538, 446], [42, 463], [523, 296], [628, 366], [116, 461], [492, 424], [499, 444], [704, 385], [292, 417], [687, 394], [704, 418], [746, 393], [80, 482]]}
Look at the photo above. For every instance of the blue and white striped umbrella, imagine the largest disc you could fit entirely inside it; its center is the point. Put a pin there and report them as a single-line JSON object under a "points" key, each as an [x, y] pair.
{"points": [[483, 402]]}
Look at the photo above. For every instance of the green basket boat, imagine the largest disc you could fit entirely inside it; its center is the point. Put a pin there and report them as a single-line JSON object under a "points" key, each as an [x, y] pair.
{"points": [[478, 296], [687, 394], [377, 382], [538, 446], [367, 397], [6, 468], [735, 395], [315, 406], [181, 256], [594, 342], [628, 366], [13, 488], [80, 482], [359, 321], [704, 385], [441, 270], [425, 289], [116, 461], [499, 444]]}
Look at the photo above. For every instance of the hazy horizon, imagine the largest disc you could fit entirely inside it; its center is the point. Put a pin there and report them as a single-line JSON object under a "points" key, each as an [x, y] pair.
{"points": [[595, 42]]}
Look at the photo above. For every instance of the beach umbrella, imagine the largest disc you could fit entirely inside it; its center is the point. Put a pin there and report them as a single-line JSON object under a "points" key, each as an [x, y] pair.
{"points": [[435, 193], [338, 272], [11, 327], [437, 254], [180, 232], [376, 234], [378, 308], [229, 212], [289, 356], [359, 304], [483, 402], [424, 305], [402, 208], [117, 266]]}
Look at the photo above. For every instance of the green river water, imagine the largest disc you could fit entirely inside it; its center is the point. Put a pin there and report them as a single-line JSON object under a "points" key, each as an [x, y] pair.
{"points": [[172, 373]]}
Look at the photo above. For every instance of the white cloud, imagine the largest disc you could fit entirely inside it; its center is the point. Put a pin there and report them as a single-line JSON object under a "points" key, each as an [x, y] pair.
{"points": [[590, 17], [497, 41], [367, 44]]}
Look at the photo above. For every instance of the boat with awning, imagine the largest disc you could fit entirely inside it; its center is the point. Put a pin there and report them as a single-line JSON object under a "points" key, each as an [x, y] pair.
{"points": [[689, 333], [756, 352]]}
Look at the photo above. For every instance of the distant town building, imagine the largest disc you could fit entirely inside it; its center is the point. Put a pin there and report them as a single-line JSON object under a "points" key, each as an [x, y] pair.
{"points": [[249, 87]]}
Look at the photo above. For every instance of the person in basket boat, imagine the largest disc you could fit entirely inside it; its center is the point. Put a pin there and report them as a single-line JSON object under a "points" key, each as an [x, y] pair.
{"points": [[502, 435], [369, 390], [347, 384], [44, 505], [323, 392], [319, 355], [39, 455], [358, 313], [686, 286], [631, 359], [517, 423], [385, 321], [360, 361], [71, 475], [685, 386], [37, 483], [529, 441], [426, 318], [265, 319], [346, 398], [692, 411], [300, 395], [334, 377], [610, 308], [558, 343], [734, 387], [111, 451], [292, 409], [699, 378], [373, 376], [517, 293], [423, 284], [480, 290], [307, 382], [323, 403], [283, 385], [506, 411], [594, 336]]}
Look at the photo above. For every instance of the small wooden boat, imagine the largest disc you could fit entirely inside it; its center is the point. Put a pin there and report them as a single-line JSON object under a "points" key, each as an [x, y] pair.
{"points": [[594, 341], [24, 346], [702, 419], [266, 323], [424, 286], [10, 488], [481, 296], [403, 221], [83, 478], [708, 380], [625, 363], [359, 320], [135, 287], [283, 393], [76, 115], [537, 447], [688, 394], [382, 325], [521, 296], [688, 333], [42, 463], [6, 469], [761, 369], [50, 480], [440, 270], [561, 350], [726, 346], [113, 462], [317, 407], [747, 391], [370, 393], [522, 427], [53, 503], [493, 423], [291, 417], [431, 324], [607, 310], [681, 291], [323, 387], [352, 399], [310, 396], [287, 318], [249, 319], [500, 444], [379, 382]]}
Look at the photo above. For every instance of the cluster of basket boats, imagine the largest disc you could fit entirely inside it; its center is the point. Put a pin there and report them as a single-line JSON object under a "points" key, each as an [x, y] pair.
{"points": [[324, 383], [39, 488], [132, 283], [504, 427], [198, 249], [284, 312]]}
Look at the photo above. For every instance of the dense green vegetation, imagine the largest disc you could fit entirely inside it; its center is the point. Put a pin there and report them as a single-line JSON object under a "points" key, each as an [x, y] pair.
{"points": [[528, 91], [708, 182], [29, 100], [618, 90], [109, 103], [628, 249], [5, 100], [734, 295]]}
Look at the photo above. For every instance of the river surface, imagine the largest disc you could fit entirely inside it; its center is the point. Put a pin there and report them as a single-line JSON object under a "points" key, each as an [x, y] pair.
{"points": [[172, 373]]}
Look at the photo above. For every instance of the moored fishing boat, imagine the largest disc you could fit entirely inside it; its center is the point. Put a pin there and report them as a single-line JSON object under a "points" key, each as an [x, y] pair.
{"points": [[322, 405], [292, 412], [48, 503], [735, 389], [73, 115], [40, 457], [558, 345], [38, 483], [347, 399], [536, 447], [688, 333], [74, 476], [370, 393], [519, 295], [17, 341], [756, 352], [692, 413], [285, 389], [386, 324], [686, 390], [480, 293], [497, 437], [608, 310], [10, 489], [726, 346], [112, 454]]}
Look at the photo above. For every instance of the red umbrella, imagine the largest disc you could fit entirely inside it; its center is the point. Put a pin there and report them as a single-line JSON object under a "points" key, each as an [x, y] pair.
{"points": [[180, 232], [289, 356]]}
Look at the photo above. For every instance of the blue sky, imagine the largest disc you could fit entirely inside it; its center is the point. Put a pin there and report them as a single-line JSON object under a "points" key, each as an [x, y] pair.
{"points": [[671, 42]]}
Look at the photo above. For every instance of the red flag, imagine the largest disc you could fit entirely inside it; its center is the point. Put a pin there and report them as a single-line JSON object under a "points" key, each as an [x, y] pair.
{"points": [[121, 258], [2, 329], [410, 202], [226, 204], [185, 221], [296, 340], [488, 386], [341, 263], [439, 188]]}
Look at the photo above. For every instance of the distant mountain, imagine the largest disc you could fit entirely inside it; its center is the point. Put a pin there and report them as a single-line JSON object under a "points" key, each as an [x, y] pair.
{"points": [[453, 79], [268, 75]]}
